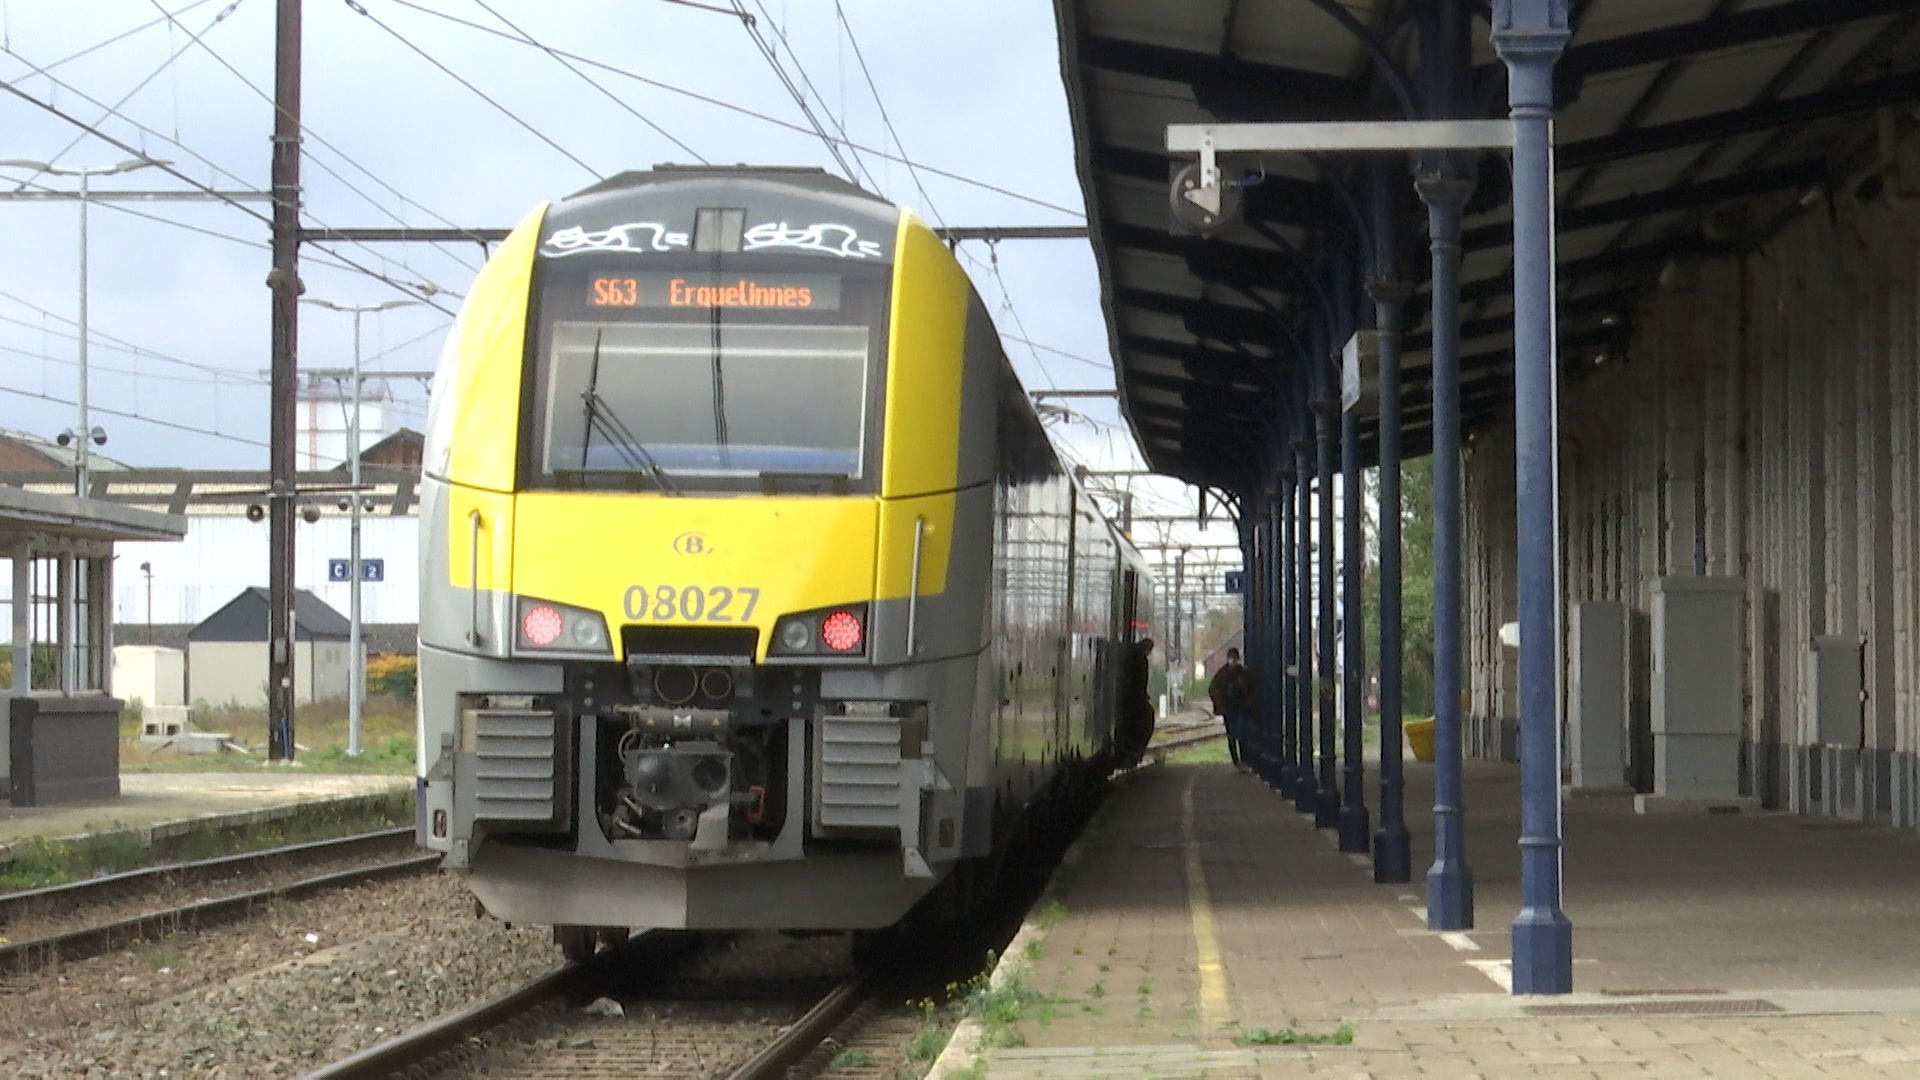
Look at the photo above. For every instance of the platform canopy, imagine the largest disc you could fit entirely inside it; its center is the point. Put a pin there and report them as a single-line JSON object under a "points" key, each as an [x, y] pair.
{"points": [[46, 518], [1686, 128]]}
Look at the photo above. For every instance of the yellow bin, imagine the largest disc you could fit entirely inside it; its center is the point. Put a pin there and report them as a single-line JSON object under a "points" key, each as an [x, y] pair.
{"points": [[1420, 738]]}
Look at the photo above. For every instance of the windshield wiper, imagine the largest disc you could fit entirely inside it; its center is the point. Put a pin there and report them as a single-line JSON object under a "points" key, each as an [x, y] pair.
{"points": [[600, 414]]}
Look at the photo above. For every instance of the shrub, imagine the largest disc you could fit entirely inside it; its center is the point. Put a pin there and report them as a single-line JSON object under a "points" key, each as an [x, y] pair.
{"points": [[393, 673]]}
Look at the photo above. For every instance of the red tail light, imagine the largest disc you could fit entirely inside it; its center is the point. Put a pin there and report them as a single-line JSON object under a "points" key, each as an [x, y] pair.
{"points": [[841, 631], [542, 625]]}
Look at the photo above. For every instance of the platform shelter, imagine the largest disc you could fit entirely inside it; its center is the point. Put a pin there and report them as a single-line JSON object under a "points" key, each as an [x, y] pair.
{"points": [[1641, 277], [62, 721]]}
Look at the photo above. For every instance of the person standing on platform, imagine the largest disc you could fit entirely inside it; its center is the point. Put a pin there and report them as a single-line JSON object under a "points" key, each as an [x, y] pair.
{"points": [[1136, 705], [1232, 692]]}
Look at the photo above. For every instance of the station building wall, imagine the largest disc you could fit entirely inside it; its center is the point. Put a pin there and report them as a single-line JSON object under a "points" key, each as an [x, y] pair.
{"points": [[1764, 424]]}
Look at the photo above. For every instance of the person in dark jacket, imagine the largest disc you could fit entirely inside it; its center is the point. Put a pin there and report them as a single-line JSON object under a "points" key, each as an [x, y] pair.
{"points": [[1136, 705], [1232, 694]]}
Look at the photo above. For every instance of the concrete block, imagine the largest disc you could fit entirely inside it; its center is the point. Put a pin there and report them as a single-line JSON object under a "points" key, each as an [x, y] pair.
{"points": [[1696, 766], [1597, 695], [164, 721], [64, 749]]}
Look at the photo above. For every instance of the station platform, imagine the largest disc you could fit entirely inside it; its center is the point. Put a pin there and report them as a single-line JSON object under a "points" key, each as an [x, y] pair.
{"points": [[1203, 928], [159, 805]]}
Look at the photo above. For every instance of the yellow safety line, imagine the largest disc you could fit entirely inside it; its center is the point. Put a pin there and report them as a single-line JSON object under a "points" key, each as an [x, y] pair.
{"points": [[1215, 1010]]}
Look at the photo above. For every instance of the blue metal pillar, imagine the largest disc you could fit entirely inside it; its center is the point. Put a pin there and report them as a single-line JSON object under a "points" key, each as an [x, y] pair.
{"points": [[1254, 638], [1272, 674], [1326, 811], [1444, 185], [1392, 846], [1289, 643], [1356, 828], [1529, 35], [1306, 788]]}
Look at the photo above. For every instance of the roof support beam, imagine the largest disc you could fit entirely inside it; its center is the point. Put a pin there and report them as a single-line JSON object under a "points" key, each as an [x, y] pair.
{"points": [[1711, 35], [1232, 322], [1659, 251], [1796, 176], [1286, 90], [1765, 116]]}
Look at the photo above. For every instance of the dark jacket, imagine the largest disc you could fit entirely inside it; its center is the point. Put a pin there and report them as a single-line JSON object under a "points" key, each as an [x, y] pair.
{"points": [[1231, 688]]}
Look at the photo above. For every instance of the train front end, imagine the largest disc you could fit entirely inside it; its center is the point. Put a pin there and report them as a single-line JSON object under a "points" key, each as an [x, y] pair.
{"points": [[704, 595]]}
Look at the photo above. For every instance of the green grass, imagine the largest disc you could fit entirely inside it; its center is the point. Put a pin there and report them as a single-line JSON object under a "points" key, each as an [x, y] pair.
{"points": [[39, 861], [1288, 1036], [386, 740], [852, 1058], [1049, 916]]}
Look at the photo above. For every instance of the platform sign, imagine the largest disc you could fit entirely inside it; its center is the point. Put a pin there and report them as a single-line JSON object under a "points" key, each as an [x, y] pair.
{"points": [[1236, 583], [370, 570]]}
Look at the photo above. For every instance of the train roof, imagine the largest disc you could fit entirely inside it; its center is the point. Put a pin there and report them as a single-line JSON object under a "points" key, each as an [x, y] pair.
{"points": [[809, 177]]}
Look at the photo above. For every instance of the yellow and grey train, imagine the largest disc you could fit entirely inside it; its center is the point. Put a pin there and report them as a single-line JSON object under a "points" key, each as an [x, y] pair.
{"points": [[754, 594]]}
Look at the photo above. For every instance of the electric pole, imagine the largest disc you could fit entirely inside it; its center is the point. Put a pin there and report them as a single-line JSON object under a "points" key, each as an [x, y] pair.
{"points": [[284, 281]]}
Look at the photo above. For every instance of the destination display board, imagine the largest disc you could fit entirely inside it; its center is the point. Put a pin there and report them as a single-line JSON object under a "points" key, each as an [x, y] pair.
{"points": [[711, 291]]}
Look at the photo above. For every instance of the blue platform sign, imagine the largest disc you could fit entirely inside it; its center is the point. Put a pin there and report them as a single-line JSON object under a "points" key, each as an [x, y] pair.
{"points": [[1236, 582], [370, 570]]}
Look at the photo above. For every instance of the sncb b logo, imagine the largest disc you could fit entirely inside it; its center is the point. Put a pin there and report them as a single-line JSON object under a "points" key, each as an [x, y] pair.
{"points": [[690, 543]]}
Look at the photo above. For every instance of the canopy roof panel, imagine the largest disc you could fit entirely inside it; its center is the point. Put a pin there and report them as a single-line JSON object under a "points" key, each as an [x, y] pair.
{"points": [[1685, 129]]}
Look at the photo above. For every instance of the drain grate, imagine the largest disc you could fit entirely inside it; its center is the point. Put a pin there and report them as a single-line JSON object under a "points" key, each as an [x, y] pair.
{"points": [[1719, 1007]]}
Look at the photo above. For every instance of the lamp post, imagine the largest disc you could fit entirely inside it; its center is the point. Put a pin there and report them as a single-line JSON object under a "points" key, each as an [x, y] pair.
{"points": [[357, 666], [147, 569], [85, 433]]}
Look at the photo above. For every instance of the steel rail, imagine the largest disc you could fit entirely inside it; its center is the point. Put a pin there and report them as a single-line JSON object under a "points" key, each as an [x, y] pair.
{"points": [[424, 1042], [803, 1035], [93, 940], [87, 888], [1159, 751]]}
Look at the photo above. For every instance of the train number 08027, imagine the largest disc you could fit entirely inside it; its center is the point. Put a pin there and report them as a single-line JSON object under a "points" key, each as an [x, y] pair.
{"points": [[691, 603]]}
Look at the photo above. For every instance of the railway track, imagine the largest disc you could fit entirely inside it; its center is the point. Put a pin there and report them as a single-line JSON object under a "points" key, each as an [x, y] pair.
{"points": [[93, 939], [442, 1044], [1182, 737]]}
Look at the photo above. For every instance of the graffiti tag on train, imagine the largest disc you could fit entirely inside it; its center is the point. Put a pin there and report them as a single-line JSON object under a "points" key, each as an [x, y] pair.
{"points": [[633, 236], [829, 239]]}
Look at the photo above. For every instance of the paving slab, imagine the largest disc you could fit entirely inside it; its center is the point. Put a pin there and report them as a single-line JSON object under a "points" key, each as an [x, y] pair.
{"points": [[1202, 918]]}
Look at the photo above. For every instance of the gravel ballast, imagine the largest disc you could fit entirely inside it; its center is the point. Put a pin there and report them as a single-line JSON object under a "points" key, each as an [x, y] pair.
{"points": [[297, 985]]}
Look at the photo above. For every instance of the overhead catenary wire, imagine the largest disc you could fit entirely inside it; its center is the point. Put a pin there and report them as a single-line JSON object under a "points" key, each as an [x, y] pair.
{"points": [[590, 81], [744, 111], [308, 132], [747, 22], [839, 123], [422, 293], [873, 88], [209, 432], [360, 9], [122, 36], [327, 258], [114, 109]]}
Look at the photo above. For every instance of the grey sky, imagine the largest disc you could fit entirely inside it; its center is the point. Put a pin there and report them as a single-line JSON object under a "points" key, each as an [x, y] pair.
{"points": [[971, 88]]}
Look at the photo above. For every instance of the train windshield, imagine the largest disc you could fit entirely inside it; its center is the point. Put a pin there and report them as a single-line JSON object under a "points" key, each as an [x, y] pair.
{"points": [[709, 381]]}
